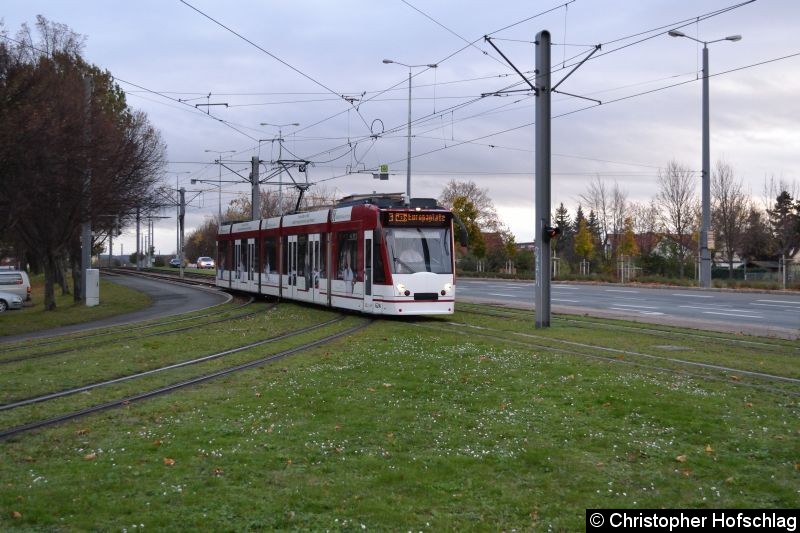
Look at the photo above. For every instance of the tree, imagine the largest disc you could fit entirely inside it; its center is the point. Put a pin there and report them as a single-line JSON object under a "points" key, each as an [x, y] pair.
{"points": [[565, 242], [756, 242], [677, 201], [627, 245], [203, 240], [647, 224], [610, 208], [584, 243], [59, 148], [728, 211], [784, 224], [486, 218], [468, 214]]}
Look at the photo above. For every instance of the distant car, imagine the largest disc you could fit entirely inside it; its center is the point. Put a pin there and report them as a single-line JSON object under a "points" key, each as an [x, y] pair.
{"points": [[10, 300], [175, 262], [205, 262], [15, 282]]}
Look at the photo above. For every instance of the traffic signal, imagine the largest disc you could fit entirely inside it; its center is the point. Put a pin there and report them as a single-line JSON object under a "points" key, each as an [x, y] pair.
{"points": [[551, 233]]}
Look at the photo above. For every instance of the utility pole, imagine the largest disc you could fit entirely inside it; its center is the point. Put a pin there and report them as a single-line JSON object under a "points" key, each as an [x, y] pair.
{"points": [[181, 213], [255, 194], [86, 225], [138, 238], [542, 188]]}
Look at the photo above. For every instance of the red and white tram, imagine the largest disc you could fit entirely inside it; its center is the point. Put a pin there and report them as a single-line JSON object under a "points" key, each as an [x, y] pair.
{"points": [[372, 255]]}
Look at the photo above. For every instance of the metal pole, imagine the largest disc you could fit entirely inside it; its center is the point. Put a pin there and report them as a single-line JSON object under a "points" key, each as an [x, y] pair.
{"points": [[705, 254], [542, 179], [408, 159], [255, 196], [280, 174], [181, 213], [138, 239], [219, 192], [86, 225]]}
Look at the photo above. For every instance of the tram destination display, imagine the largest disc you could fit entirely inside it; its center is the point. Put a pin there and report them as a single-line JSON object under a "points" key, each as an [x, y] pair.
{"points": [[416, 218]]}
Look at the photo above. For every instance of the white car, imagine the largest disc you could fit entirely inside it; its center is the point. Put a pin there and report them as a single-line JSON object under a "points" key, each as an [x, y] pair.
{"points": [[10, 300], [205, 262]]}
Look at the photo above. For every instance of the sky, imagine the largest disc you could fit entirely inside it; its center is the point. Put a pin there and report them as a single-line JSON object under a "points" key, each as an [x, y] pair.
{"points": [[318, 63]]}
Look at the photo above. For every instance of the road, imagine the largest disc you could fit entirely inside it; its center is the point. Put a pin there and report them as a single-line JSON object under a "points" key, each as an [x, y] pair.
{"points": [[758, 313]]}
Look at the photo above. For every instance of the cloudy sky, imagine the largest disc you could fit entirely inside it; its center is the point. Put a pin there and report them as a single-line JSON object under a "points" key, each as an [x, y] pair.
{"points": [[319, 63]]}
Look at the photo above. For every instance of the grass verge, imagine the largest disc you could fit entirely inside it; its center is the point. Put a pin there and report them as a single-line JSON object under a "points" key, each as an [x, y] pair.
{"points": [[410, 424]]}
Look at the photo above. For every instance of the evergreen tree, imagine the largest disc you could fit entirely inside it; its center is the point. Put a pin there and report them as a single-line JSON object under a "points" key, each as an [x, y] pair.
{"points": [[584, 241]]}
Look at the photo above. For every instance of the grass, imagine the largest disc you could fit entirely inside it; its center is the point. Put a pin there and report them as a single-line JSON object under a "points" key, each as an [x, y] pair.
{"points": [[114, 300], [413, 424]]}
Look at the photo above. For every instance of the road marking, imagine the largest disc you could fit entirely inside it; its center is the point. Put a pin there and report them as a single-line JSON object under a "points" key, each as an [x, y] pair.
{"points": [[564, 287], [732, 314], [717, 308], [691, 295], [636, 306], [640, 312], [621, 290], [784, 307], [503, 295], [563, 300], [790, 302]]}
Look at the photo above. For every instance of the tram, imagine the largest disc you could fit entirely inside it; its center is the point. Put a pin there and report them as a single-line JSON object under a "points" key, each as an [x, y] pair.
{"points": [[371, 254]]}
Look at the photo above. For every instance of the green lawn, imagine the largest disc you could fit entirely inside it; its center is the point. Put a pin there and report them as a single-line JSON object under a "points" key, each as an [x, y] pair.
{"points": [[114, 300], [416, 424]]}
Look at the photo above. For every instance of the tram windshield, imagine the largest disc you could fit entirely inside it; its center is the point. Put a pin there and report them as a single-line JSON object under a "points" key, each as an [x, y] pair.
{"points": [[414, 250]]}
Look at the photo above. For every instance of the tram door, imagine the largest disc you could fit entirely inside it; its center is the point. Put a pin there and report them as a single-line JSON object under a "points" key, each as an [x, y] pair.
{"points": [[314, 269], [236, 264], [368, 250], [289, 277], [251, 260]]}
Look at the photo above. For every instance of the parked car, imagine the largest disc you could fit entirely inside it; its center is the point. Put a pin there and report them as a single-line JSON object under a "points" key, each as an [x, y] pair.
{"points": [[175, 262], [10, 300], [205, 262], [15, 282]]}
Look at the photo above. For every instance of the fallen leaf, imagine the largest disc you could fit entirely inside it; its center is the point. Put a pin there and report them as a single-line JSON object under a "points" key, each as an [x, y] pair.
{"points": [[571, 376], [218, 471], [607, 404], [686, 472], [729, 479], [709, 449], [735, 378], [749, 404], [387, 385], [29, 459], [600, 464], [16, 514], [169, 461], [157, 442], [90, 456], [390, 435], [83, 431], [337, 427], [371, 389], [797, 466], [258, 395], [339, 450], [289, 462], [681, 458]]}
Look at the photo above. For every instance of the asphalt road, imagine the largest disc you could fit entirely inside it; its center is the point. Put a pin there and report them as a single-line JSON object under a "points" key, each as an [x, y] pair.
{"points": [[757, 313], [167, 299]]}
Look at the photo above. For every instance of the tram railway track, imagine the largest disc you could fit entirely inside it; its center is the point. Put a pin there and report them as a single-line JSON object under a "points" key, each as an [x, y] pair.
{"points": [[502, 312], [102, 342], [733, 376], [128, 399]]}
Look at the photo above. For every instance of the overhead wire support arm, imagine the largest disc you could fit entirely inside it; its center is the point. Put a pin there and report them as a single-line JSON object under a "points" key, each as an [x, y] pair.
{"points": [[533, 88], [584, 60]]}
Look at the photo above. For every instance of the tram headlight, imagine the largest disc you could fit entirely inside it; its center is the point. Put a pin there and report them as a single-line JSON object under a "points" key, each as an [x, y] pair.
{"points": [[402, 289], [448, 287]]}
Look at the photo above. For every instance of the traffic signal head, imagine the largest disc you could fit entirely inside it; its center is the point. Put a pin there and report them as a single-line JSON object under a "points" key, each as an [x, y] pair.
{"points": [[551, 233]]}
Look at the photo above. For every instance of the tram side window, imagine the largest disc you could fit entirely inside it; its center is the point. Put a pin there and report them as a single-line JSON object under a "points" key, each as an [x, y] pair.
{"points": [[346, 243], [378, 274], [285, 260], [302, 256], [321, 252], [242, 258], [222, 255], [270, 255]]}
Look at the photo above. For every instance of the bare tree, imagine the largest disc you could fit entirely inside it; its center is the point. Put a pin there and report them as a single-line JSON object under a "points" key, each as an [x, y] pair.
{"points": [[729, 211], [647, 223], [676, 198], [487, 217], [611, 208]]}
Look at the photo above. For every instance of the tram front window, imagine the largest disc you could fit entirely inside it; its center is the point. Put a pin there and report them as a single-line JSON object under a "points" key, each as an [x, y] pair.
{"points": [[414, 250]]}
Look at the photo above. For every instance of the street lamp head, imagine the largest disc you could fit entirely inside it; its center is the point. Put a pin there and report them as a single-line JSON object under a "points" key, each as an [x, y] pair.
{"points": [[279, 125], [432, 65], [388, 61], [193, 181], [733, 38], [676, 33]]}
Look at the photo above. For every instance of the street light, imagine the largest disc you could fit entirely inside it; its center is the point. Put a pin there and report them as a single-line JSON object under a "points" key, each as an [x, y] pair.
{"points": [[705, 254], [219, 197], [280, 154], [408, 159]]}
